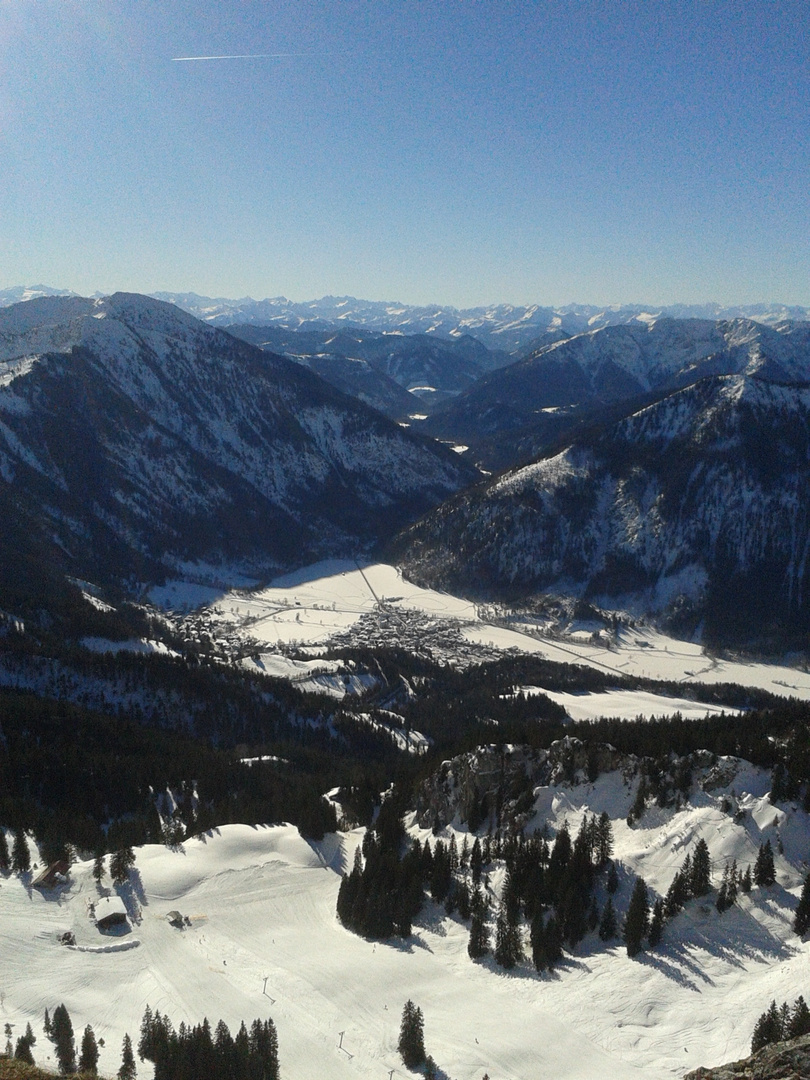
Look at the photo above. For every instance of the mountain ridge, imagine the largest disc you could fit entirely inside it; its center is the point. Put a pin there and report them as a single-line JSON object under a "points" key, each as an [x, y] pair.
{"points": [[130, 430]]}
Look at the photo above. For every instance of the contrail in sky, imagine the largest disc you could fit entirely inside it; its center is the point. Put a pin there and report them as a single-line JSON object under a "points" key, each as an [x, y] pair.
{"points": [[242, 56]]}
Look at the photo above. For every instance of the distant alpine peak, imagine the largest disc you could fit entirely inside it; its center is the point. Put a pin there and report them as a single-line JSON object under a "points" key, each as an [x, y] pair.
{"points": [[508, 327]]}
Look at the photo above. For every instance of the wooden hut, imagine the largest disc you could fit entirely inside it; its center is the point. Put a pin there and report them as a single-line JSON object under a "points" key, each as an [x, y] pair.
{"points": [[110, 911], [53, 875]]}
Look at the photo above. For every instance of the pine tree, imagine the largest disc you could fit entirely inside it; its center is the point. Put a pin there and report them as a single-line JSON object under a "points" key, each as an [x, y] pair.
{"points": [[764, 870], [768, 1029], [23, 1049], [476, 861], [635, 926], [121, 862], [88, 1056], [607, 924], [745, 880], [639, 803], [463, 893], [537, 940], [5, 860], [700, 881], [801, 920], [20, 855], [656, 923], [411, 1044], [98, 867], [612, 879], [508, 950], [478, 944], [64, 1042], [127, 1070], [46, 1025], [464, 857], [452, 852], [554, 942], [604, 839], [799, 1023], [733, 880]]}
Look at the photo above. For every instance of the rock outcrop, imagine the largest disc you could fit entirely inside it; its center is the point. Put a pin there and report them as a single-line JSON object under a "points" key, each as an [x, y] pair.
{"points": [[780, 1061]]}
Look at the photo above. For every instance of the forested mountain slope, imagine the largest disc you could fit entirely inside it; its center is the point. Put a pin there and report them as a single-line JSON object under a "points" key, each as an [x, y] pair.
{"points": [[134, 438], [694, 508]]}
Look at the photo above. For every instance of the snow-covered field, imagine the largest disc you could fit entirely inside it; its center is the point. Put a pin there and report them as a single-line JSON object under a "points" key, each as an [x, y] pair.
{"points": [[264, 940], [626, 704], [313, 605]]}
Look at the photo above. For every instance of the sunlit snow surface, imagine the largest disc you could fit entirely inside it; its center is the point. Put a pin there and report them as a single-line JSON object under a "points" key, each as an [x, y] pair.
{"points": [[264, 940], [626, 704], [312, 605]]}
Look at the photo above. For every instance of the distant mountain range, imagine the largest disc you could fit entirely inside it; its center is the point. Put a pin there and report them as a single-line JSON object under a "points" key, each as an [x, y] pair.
{"points": [[502, 327], [396, 373], [135, 439], [512, 414]]}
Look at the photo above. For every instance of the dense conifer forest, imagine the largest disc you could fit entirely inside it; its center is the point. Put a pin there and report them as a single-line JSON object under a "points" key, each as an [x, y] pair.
{"points": [[91, 742]]}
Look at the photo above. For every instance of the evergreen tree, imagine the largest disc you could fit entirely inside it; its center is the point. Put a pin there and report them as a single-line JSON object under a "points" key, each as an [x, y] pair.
{"points": [[46, 1025], [701, 869], [127, 1070], [745, 880], [453, 853], [146, 1040], [98, 867], [508, 951], [639, 803], [612, 879], [63, 1040], [731, 888], [554, 941], [768, 1029], [476, 861], [464, 857], [764, 870], [411, 1044], [607, 924], [656, 923], [463, 893], [478, 944], [604, 839], [5, 860], [799, 1023], [121, 863], [88, 1055], [801, 921], [20, 855], [635, 926], [727, 893], [23, 1049]]}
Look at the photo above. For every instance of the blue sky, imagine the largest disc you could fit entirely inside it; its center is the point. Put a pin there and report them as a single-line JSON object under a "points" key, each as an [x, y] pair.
{"points": [[458, 152]]}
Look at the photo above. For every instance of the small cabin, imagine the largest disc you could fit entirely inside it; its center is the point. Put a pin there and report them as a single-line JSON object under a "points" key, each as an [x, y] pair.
{"points": [[53, 875], [110, 911]]}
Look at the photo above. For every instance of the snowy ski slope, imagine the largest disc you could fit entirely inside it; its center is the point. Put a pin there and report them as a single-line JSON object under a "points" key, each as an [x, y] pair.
{"points": [[264, 940]]}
